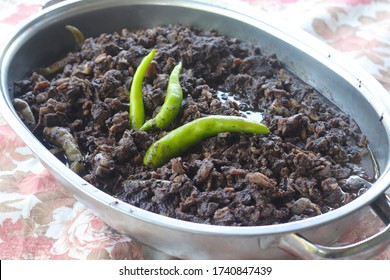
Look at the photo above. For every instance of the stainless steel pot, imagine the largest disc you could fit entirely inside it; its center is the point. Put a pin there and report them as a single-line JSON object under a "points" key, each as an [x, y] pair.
{"points": [[43, 39]]}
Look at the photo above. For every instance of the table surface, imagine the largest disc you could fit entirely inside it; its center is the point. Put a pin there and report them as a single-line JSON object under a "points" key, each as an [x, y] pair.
{"points": [[39, 219]]}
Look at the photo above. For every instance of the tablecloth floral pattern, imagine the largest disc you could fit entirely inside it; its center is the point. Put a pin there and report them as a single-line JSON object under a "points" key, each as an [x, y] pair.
{"points": [[39, 219]]}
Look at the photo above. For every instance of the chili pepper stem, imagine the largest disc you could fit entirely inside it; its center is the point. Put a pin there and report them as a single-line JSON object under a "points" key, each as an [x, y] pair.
{"points": [[77, 34]]}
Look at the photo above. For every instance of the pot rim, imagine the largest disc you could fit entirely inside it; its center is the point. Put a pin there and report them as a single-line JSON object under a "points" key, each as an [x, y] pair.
{"points": [[301, 40]]}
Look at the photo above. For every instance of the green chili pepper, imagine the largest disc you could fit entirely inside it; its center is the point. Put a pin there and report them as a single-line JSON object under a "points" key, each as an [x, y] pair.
{"points": [[60, 64], [137, 110], [77, 34], [53, 68], [179, 140], [172, 103]]}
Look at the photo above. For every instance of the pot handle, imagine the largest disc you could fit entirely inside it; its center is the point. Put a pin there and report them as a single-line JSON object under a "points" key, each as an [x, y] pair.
{"points": [[300, 247]]}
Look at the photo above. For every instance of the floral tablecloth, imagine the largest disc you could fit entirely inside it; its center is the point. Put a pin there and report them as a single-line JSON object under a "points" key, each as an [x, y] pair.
{"points": [[41, 220]]}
